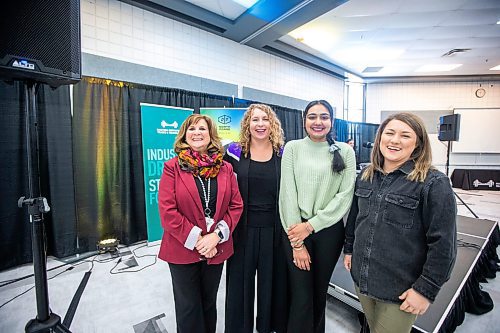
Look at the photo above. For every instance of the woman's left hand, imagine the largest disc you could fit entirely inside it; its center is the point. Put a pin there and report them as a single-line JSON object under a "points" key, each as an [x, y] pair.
{"points": [[298, 232], [413, 302], [211, 254], [207, 243], [302, 259]]}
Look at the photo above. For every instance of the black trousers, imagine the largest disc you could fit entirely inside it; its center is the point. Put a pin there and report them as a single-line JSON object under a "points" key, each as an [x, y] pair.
{"points": [[195, 296], [253, 257], [308, 288]]}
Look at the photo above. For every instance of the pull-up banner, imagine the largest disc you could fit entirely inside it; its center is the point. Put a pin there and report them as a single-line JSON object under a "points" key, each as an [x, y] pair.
{"points": [[228, 122], [160, 125]]}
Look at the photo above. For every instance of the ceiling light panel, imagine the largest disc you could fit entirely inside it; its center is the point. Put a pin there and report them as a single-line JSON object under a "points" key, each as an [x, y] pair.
{"points": [[366, 55], [437, 68]]}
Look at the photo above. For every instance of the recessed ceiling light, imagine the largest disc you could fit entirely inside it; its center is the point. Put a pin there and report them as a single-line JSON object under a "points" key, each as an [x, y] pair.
{"points": [[366, 55], [498, 22], [496, 68], [438, 68], [372, 69], [246, 3], [319, 39]]}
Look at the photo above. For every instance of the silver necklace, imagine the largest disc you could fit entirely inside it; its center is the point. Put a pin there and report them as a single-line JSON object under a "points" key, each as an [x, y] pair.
{"points": [[206, 195]]}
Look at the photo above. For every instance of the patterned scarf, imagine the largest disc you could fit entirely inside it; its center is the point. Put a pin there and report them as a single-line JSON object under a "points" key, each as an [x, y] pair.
{"points": [[204, 165]]}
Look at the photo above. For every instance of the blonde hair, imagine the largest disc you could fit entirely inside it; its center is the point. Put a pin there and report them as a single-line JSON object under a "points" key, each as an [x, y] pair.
{"points": [[422, 155], [276, 135], [214, 144]]}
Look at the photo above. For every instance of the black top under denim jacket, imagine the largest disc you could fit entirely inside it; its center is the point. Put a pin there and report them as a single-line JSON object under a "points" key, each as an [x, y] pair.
{"points": [[402, 234]]}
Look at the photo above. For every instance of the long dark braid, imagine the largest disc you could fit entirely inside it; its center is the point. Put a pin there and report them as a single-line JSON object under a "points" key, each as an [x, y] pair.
{"points": [[337, 162]]}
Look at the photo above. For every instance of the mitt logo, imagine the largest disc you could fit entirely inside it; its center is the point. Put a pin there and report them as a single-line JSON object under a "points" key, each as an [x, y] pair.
{"points": [[224, 119]]}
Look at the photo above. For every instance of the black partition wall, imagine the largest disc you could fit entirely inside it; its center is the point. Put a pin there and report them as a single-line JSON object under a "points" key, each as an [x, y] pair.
{"points": [[56, 170], [108, 155], [291, 119], [362, 133]]}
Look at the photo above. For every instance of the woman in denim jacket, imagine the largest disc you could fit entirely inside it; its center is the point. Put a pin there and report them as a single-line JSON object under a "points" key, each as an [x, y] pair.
{"points": [[401, 232]]}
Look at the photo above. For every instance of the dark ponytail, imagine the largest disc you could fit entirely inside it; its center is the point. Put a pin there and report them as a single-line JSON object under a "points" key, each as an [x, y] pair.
{"points": [[337, 162]]}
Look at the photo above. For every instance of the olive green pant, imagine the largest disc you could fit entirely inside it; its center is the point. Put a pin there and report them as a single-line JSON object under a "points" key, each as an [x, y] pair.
{"points": [[385, 317]]}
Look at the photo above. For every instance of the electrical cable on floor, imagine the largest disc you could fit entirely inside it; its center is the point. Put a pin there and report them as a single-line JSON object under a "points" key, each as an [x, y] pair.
{"points": [[7, 282], [137, 256], [24, 292], [74, 263], [87, 261]]}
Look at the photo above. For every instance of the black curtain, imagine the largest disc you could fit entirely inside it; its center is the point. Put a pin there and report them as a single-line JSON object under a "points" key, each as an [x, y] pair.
{"points": [[362, 133], [55, 165], [108, 155], [291, 119]]}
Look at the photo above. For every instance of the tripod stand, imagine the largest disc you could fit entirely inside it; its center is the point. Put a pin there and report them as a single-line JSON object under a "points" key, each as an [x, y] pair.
{"points": [[45, 321], [448, 150]]}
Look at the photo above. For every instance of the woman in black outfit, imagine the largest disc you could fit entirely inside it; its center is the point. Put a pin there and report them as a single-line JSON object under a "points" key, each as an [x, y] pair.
{"points": [[256, 160]]}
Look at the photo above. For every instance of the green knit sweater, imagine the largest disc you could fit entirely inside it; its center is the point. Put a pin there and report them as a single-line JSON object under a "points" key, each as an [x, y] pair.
{"points": [[309, 188]]}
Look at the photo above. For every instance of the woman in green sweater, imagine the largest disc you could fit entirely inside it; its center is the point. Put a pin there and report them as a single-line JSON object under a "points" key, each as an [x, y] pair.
{"points": [[317, 184]]}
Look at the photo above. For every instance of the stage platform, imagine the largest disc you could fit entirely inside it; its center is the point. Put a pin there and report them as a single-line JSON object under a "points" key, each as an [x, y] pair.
{"points": [[473, 236]]}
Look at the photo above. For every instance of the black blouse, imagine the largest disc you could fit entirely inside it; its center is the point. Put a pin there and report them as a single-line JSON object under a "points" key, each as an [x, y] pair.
{"points": [[212, 203], [263, 188]]}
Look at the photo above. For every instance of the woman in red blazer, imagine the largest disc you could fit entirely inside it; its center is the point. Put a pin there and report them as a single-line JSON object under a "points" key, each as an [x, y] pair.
{"points": [[199, 205]]}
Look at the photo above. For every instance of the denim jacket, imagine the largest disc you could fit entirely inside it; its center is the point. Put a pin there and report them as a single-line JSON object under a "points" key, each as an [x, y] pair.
{"points": [[402, 234]]}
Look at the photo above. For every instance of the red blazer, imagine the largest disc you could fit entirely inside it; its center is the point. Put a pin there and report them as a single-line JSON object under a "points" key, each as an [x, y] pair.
{"points": [[181, 209]]}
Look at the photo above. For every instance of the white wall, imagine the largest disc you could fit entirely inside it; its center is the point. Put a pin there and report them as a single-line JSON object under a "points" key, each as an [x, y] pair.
{"points": [[437, 96], [117, 30]]}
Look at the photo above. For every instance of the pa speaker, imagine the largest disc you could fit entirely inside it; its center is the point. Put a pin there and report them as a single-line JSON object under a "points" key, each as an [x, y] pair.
{"points": [[40, 41], [449, 127]]}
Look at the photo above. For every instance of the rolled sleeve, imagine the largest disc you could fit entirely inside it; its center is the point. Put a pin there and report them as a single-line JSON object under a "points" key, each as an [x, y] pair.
{"points": [[224, 228], [192, 238]]}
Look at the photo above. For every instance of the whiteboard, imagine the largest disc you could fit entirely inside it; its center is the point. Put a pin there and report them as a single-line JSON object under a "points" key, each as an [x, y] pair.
{"points": [[479, 131]]}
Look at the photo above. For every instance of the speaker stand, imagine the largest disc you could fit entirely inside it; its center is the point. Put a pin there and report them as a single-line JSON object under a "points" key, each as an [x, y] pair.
{"points": [[448, 150], [37, 206]]}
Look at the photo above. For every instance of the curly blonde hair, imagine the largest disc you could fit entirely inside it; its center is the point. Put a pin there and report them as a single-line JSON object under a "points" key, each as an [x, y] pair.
{"points": [[276, 135]]}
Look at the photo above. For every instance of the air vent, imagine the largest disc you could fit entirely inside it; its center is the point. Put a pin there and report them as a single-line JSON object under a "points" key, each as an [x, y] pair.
{"points": [[454, 51], [372, 69]]}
